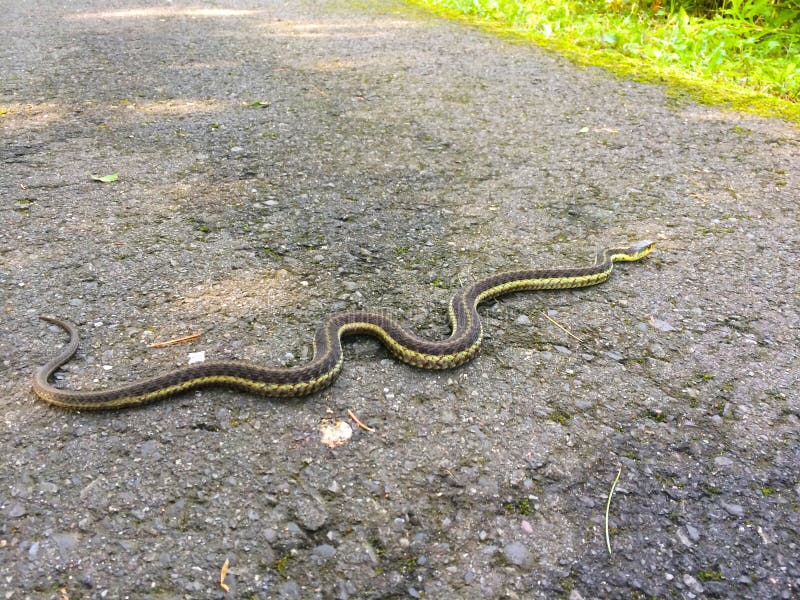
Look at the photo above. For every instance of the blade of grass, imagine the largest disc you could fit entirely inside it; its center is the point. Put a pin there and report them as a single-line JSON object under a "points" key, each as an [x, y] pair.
{"points": [[608, 508]]}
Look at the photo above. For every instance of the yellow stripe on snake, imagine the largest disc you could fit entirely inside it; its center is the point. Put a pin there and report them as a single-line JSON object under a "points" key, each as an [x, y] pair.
{"points": [[320, 372]]}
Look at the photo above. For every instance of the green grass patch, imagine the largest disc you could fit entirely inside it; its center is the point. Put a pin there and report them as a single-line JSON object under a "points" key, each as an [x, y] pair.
{"points": [[709, 575], [744, 56], [282, 565], [559, 416], [522, 507]]}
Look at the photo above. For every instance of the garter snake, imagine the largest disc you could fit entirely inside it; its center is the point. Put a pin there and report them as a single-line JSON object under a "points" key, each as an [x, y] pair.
{"points": [[402, 342]]}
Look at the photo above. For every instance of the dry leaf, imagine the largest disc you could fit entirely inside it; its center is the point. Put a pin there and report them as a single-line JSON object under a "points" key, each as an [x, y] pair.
{"points": [[222, 574], [105, 178]]}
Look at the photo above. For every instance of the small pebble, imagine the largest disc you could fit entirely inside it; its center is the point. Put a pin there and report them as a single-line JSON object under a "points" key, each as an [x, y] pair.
{"points": [[692, 584], [48, 488], [148, 447], [737, 510], [324, 551], [65, 541], [311, 513], [661, 325], [694, 535], [518, 554], [723, 461], [289, 590]]}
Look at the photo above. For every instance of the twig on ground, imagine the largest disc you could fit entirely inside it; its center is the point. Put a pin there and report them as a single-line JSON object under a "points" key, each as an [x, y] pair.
{"points": [[358, 421], [176, 341], [561, 327]]}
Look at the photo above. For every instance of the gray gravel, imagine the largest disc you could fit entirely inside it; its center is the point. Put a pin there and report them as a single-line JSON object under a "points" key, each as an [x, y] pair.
{"points": [[278, 161]]}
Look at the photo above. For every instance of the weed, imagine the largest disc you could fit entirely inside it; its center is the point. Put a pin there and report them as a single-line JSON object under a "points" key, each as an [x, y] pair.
{"points": [[521, 507], [709, 575], [282, 564], [559, 416]]}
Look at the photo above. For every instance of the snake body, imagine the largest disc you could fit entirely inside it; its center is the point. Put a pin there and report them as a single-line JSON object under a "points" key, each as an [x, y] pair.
{"points": [[320, 372]]}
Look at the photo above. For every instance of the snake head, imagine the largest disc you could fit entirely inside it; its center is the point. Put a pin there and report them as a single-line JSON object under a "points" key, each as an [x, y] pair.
{"points": [[642, 248]]}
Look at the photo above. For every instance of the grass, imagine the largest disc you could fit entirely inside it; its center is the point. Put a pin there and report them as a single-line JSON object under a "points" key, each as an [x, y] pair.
{"points": [[744, 56]]}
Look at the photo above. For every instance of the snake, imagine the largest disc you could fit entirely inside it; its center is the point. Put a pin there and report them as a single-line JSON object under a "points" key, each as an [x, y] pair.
{"points": [[326, 363]]}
